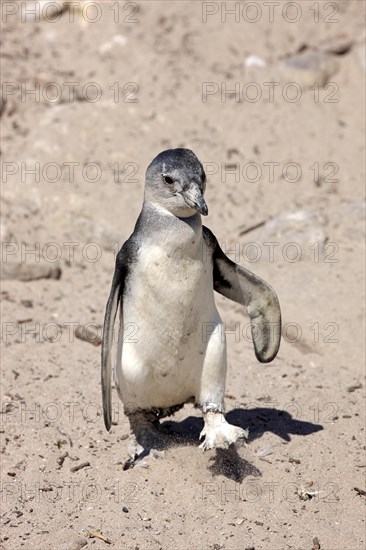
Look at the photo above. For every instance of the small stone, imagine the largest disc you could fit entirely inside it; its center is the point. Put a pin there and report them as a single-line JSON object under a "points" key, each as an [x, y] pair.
{"points": [[254, 61], [353, 388], [87, 334], [117, 40], [22, 271], [308, 67], [337, 45]]}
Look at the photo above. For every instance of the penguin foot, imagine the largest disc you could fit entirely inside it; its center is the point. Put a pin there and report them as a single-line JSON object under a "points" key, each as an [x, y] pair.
{"points": [[137, 451], [218, 433], [137, 455], [147, 433], [134, 449]]}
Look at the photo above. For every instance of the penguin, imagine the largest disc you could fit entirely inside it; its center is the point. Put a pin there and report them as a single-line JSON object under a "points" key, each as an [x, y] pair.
{"points": [[163, 286]]}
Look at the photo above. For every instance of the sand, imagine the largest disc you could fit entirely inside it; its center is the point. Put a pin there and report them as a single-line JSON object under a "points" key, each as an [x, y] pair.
{"points": [[114, 85]]}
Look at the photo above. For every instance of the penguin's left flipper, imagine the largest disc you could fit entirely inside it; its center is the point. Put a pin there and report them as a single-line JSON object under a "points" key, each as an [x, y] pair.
{"points": [[125, 256], [242, 286]]}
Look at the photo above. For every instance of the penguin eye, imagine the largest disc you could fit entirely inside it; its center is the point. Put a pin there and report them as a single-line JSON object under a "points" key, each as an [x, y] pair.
{"points": [[168, 180]]}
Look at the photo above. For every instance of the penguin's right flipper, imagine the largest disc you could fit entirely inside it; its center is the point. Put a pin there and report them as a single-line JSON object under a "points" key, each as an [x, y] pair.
{"points": [[107, 342], [115, 299]]}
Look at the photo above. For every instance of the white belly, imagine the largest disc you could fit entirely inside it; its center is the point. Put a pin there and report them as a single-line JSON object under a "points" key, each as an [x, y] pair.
{"points": [[168, 313]]}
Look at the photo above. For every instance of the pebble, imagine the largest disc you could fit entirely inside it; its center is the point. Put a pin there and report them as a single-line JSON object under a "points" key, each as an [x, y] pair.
{"points": [[117, 40], [21, 271], [337, 45], [308, 67], [254, 61], [89, 335]]}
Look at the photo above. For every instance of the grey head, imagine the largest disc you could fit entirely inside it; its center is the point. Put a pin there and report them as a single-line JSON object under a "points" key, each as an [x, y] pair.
{"points": [[176, 181]]}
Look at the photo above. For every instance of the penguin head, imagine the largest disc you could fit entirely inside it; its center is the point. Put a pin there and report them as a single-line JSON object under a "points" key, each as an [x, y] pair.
{"points": [[176, 181]]}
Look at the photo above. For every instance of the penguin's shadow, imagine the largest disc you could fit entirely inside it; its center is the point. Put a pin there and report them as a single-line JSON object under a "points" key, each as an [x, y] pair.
{"points": [[259, 421]]}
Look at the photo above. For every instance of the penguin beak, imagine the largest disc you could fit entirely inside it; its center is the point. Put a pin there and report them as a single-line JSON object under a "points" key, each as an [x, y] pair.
{"points": [[194, 199]]}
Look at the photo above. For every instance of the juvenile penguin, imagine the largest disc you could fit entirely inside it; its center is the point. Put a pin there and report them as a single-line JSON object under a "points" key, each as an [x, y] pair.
{"points": [[163, 285]]}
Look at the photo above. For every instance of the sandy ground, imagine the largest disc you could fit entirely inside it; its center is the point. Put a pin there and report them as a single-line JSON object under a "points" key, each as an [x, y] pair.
{"points": [[110, 93]]}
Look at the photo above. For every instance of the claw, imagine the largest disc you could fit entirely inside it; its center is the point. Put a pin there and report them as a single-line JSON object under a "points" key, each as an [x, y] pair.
{"points": [[221, 436]]}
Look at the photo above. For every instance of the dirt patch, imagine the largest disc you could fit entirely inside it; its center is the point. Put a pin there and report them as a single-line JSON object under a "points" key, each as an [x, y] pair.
{"points": [[90, 96]]}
